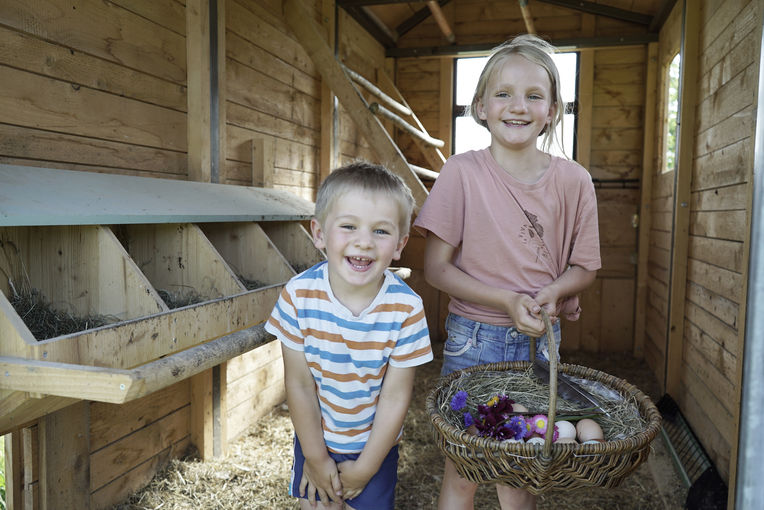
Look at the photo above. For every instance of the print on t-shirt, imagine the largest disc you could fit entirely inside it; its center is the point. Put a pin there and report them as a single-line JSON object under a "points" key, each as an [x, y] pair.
{"points": [[532, 235]]}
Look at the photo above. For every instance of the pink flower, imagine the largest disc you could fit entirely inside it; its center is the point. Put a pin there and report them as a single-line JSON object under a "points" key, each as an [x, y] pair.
{"points": [[539, 423]]}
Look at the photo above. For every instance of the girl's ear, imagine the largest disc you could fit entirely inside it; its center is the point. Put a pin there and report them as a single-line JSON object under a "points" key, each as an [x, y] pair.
{"points": [[480, 109], [317, 233]]}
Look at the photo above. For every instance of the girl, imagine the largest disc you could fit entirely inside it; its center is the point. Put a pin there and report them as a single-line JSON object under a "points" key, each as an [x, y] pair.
{"points": [[510, 230]]}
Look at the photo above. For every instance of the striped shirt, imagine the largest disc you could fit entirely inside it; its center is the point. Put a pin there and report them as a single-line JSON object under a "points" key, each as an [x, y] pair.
{"points": [[348, 355]]}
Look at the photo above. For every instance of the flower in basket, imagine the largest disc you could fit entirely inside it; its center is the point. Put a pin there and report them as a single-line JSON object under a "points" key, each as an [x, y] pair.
{"points": [[540, 422], [459, 400]]}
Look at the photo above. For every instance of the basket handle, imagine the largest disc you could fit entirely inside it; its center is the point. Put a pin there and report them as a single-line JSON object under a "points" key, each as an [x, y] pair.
{"points": [[551, 349]]}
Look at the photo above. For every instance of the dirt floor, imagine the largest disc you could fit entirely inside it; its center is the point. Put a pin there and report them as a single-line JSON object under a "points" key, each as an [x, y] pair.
{"points": [[255, 474]]}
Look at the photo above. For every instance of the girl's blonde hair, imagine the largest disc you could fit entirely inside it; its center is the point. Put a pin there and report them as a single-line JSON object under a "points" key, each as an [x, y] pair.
{"points": [[538, 51]]}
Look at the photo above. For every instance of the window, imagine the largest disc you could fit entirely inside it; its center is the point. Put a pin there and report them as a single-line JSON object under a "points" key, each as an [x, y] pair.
{"points": [[469, 135], [671, 115]]}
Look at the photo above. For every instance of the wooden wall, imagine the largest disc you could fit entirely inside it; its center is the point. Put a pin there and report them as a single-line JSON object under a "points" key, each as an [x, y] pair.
{"points": [[719, 227]]}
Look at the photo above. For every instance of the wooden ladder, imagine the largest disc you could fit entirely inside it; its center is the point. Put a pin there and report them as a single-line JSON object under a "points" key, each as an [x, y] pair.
{"points": [[366, 115]]}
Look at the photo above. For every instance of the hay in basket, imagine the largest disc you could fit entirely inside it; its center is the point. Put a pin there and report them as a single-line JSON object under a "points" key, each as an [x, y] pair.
{"points": [[629, 419]]}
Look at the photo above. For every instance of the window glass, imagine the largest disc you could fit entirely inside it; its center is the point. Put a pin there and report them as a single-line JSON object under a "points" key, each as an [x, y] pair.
{"points": [[671, 115]]}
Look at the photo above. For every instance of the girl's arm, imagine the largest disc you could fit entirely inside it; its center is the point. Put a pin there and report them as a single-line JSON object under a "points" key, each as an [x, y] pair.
{"points": [[571, 282], [394, 399], [320, 474], [441, 273]]}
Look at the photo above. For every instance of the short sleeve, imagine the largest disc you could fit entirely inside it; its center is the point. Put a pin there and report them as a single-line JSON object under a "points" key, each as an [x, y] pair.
{"points": [[283, 322], [585, 246], [413, 346], [443, 210]]}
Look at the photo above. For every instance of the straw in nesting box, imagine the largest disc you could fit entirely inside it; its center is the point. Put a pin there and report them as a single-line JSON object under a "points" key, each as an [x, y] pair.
{"points": [[180, 298]]}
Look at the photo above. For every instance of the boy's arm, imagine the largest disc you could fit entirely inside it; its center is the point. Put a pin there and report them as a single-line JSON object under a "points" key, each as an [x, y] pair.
{"points": [[571, 282], [320, 472], [394, 400], [441, 273]]}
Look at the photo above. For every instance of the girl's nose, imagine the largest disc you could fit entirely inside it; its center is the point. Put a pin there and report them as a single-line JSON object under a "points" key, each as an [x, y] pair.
{"points": [[517, 104]]}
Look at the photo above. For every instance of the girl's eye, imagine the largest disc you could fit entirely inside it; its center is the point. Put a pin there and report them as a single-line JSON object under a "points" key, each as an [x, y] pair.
{"points": [[502, 94], [535, 97]]}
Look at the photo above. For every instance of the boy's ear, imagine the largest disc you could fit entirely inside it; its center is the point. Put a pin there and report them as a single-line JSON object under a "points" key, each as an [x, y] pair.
{"points": [[317, 233], [399, 248]]}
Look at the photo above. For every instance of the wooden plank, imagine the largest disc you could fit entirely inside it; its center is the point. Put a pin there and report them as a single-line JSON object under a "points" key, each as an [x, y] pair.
{"points": [[201, 420], [246, 389], [724, 309], [681, 227], [106, 31], [723, 167], [31, 468], [591, 316], [109, 463], [712, 441], [252, 361], [14, 475], [624, 139], [309, 34], [23, 51], [167, 13], [64, 449], [646, 191], [726, 132], [724, 361], [110, 422], [249, 252], [136, 478], [617, 315], [723, 282], [727, 225], [328, 152], [262, 162], [294, 242], [445, 109], [36, 101], [584, 143]]}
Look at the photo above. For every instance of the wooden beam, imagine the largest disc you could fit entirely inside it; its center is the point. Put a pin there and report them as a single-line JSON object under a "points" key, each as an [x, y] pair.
{"points": [[205, 57], [380, 110], [446, 118], [416, 18], [440, 19], [646, 196], [64, 445], [578, 43], [372, 25], [688, 94], [114, 385], [263, 162], [329, 121], [308, 33], [602, 10], [389, 101], [527, 18]]}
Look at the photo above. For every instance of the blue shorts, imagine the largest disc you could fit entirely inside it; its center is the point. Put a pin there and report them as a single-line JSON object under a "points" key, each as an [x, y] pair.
{"points": [[472, 343], [379, 493]]}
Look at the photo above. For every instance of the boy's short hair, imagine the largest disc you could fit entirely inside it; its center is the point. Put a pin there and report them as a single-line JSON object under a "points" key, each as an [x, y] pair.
{"points": [[364, 176]]}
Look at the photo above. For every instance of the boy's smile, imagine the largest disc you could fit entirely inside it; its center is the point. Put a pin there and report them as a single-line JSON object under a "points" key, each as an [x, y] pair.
{"points": [[361, 237]]}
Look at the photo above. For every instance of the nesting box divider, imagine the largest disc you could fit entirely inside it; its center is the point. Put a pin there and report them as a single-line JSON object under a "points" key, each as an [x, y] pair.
{"points": [[179, 259], [249, 252], [295, 242]]}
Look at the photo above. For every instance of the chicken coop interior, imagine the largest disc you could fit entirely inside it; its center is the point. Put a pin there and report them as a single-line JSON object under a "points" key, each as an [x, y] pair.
{"points": [[158, 166]]}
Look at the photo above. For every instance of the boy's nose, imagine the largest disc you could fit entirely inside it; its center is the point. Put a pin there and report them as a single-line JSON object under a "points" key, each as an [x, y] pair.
{"points": [[363, 238]]}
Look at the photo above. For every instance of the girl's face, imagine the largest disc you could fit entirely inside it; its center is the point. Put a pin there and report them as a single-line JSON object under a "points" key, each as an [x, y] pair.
{"points": [[517, 103]]}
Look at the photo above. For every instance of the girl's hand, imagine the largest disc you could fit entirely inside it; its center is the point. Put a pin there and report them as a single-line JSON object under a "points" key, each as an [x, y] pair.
{"points": [[321, 478], [353, 479], [525, 313], [548, 299]]}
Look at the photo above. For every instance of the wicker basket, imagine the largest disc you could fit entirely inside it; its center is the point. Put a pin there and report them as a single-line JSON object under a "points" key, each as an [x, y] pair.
{"points": [[538, 467]]}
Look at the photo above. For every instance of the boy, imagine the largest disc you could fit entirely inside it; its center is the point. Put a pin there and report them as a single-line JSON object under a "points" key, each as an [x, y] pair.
{"points": [[351, 335]]}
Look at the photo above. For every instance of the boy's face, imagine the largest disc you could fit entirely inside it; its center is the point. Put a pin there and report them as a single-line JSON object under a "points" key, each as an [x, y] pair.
{"points": [[361, 237]]}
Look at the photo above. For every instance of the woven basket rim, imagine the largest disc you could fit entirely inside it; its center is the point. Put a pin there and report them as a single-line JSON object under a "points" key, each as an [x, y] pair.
{"points": [[456, 436]]}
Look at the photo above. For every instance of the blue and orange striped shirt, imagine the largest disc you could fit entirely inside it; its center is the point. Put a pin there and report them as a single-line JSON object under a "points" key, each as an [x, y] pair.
{"points": [[348, 355]]}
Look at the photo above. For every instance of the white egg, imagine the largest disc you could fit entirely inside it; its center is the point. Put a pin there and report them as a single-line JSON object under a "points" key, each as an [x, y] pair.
{"points": [[535, 440], [519, 408], [565, 429]]}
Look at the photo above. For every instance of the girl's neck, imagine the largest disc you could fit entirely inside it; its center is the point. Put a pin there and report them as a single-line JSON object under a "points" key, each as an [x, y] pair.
{"points": [[526, 166]]}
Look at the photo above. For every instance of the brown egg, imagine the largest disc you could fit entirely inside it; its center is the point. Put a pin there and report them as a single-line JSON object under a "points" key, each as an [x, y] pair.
{"points": [[588, 429]]}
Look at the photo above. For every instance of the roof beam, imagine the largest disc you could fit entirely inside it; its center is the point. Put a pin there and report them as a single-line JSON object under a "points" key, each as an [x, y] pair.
{"points": [[371, 25], [602, 10], [416, 18], [485, 48]]}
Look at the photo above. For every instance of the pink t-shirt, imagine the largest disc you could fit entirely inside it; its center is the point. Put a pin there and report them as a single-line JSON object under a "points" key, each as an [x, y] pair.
{"points": [[511, 234]]}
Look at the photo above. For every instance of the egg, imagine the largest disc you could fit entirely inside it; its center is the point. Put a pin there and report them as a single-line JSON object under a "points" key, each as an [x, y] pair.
{"points": [[519, 408], [563, 440], [588, 429], [565, 429], [535, 440]]}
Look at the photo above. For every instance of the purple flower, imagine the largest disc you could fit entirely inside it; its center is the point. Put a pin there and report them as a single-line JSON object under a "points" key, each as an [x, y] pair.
{"points": [[468, 420], [517, 424], [459, 400]]}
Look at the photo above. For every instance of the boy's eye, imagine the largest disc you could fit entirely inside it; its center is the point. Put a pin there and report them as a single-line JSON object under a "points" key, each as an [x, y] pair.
{"points": [[347, 226], [381, 231]]}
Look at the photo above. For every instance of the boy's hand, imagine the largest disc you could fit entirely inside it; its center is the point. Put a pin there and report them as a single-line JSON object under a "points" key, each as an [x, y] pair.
{"points": [[353, 479], [321, 478]]}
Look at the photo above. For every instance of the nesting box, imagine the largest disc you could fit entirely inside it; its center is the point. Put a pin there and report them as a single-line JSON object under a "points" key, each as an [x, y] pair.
{"points": [[172, 282]]}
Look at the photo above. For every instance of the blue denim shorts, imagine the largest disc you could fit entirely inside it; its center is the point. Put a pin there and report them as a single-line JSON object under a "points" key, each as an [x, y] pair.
{"points": [[378, 494], [472, 343]]}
